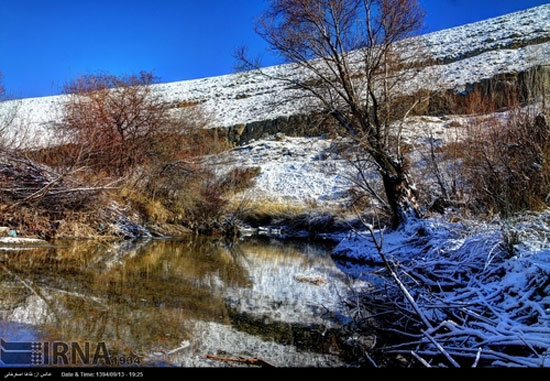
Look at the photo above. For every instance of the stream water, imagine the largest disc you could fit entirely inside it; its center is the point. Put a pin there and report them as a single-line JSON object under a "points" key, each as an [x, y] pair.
{"points": [[176, 303]]}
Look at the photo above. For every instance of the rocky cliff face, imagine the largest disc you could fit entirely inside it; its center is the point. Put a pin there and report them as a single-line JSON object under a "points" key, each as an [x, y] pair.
{"points": [[512, 50]]}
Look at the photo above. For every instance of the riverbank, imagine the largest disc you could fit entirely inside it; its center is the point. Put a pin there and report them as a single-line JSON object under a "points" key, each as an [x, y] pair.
{"points": [[41, 198], [468, 293], [39, 201], [478, 285]]}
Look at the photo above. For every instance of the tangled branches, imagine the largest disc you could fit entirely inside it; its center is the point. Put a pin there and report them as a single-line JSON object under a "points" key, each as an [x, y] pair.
{"points": [[23, 181], [464, 301]]}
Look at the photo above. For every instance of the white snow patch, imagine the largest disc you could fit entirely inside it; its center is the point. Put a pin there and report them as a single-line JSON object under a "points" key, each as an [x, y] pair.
{"points": [[295, 170], [451, 267]]}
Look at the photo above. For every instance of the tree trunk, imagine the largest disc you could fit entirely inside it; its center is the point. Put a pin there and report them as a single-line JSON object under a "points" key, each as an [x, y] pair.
{"points": [[401, 195]]}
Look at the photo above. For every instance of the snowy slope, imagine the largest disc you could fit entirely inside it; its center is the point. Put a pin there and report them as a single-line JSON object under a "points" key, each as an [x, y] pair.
{"points": [[505, 32], [465, 55], [294, 170]]}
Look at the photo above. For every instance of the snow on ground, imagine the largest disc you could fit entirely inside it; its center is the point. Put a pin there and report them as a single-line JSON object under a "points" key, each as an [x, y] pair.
{"points": [[473, 52], [397, 244], [533, 231], [493, 34], [301, 171], [469, 281], [294, 170], [458, 75], [421, 238]]}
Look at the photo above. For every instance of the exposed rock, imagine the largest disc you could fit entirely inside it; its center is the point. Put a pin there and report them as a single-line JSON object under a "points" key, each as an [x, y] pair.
{"points": [[528, 85]]}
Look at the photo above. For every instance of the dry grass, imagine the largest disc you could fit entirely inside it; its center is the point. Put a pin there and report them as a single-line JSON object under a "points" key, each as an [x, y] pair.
{"points": [[150, 209], [262, 208]]}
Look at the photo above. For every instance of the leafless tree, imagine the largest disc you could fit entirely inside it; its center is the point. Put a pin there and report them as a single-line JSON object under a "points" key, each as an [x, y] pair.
{"points": [[121, 121], [349, 65]]}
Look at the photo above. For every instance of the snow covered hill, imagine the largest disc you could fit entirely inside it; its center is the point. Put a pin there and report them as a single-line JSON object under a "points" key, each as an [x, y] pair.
{"points": [[464, 56], [294, 170]]}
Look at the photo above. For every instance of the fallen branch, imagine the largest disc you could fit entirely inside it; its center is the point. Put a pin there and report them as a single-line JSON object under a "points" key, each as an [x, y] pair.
{"points": [[36, 195], [477, 314], [410, 299]]}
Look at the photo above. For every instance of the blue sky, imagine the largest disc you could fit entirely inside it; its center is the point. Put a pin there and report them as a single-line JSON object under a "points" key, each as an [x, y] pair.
{"points": [[45, 43]]}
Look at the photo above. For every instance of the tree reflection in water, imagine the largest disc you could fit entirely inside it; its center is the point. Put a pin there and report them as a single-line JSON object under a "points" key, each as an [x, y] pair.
{"points": [[148, 297]]}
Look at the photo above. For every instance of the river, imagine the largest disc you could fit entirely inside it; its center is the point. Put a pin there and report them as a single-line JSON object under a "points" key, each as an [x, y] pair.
{"points": [[186, 303]]}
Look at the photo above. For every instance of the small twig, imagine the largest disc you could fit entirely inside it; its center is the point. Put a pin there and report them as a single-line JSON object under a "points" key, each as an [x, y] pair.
{"points": [[478, 357], [371, 360], [420, 359], [83, 190]]}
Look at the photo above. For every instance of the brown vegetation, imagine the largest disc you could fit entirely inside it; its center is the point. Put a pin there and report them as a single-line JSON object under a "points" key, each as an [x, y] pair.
{"points": [[119, 121], [497, 162], [119, 151], [507, 162], [38, 200]]}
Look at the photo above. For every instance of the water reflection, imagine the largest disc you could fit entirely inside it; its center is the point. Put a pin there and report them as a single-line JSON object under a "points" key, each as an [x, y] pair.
{"points": [[253, 299]]}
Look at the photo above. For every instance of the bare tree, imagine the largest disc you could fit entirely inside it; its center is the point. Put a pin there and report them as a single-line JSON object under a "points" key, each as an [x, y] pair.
{"points": [[345, 54], [121, 121]]}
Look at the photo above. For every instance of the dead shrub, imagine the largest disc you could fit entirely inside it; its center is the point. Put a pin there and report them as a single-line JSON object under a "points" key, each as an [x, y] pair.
{"points": [[507, 162], [120, 121], [118, 131], [497, 161], [120, 127]]}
